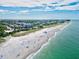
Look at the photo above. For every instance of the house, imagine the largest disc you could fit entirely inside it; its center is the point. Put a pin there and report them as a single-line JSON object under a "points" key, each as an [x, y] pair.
{"points": [[24, 25]]}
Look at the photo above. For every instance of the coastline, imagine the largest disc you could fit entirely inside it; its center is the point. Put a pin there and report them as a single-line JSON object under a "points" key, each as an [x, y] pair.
{"points": [[42, 43], [45, 44]]}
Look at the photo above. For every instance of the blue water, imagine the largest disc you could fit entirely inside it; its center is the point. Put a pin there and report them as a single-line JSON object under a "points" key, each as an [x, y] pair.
{"points": [[64, 46]]}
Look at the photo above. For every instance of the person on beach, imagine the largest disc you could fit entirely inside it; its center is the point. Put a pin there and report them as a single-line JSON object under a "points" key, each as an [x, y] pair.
{"points": [[18, 55], [45, 32], [1, 56]]}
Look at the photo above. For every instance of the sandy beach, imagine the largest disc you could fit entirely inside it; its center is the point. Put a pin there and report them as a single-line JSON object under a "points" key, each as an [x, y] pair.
{"points": [[22, 47]]}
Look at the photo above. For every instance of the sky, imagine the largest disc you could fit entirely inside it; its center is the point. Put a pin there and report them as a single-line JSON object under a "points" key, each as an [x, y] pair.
{"points": [[39, 9]]}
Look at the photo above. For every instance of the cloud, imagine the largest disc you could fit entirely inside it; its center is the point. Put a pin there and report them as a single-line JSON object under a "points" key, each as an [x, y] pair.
{"points": [[66, 8], [4, 11], [69, 6], [26, 3], [23, 12], [39, 5], [7, 11], [65, 5]]}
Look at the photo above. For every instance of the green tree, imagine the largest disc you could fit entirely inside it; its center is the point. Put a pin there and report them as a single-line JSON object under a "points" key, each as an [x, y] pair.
{"points": [[40, 26], [2, 32]]}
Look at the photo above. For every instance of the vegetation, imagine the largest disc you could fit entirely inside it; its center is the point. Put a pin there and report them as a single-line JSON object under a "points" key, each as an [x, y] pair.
{"points": [[2, 32], [2, 40], [18, 31]]}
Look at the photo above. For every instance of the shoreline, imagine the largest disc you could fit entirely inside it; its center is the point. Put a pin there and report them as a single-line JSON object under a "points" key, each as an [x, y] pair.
{"points": [[45, 44], [24, 48]]}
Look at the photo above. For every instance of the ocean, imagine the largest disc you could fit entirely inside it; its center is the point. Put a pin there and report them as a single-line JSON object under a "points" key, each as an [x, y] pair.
{"points": [[65, 45]]}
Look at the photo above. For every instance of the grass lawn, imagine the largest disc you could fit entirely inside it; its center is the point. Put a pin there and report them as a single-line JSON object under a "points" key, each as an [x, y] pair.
{"points": [[22, 33], [2, 40]]}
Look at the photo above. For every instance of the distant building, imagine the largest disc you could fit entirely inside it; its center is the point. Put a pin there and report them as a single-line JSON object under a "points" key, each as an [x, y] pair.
{"points": [[24, 25]]}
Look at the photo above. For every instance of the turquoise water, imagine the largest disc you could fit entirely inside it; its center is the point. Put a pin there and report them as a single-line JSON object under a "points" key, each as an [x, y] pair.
{"points": [[64, 46]]}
